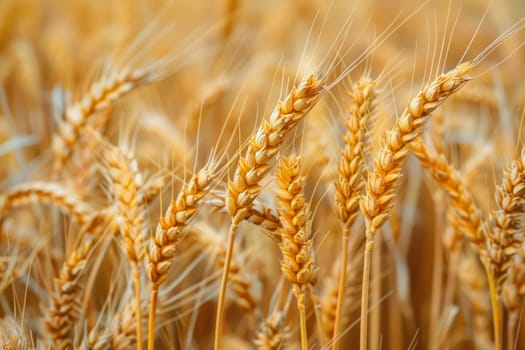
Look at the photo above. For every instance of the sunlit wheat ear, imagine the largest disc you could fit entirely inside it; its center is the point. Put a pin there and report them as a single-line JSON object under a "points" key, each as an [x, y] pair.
{"points": [[101, 95], [351, 175], [264, 144], [504, 229], [297, 263], [474, 286], [64, 306], [272, 332], [466, 211], [245, 185], [170, 231], [384, 177], [14, 337], [52, 193], [127, 191]]}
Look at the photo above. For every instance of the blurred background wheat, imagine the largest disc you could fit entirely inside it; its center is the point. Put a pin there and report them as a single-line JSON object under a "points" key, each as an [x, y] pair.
{"points": [[239, 174]]}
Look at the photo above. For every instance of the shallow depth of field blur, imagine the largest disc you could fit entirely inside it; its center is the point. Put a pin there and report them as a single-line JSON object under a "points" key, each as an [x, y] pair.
{"points": [[210, 73]]}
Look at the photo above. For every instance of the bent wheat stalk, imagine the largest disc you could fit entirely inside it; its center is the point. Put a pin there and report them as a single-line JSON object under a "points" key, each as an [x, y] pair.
{"points": [[169, 232], [384, 177], [296, 247], [245, 186], [351, 179]]}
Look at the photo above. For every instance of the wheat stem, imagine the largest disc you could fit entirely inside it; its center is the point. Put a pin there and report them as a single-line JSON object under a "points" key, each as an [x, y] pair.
{"points": [[224, 282], [138, 309], [151, 320], [302, 317], [342, 284], [364, 294], [496, 310]]}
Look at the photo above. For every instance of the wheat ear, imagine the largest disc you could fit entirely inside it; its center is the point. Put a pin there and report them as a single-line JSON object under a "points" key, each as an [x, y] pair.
{"points": [[384, 177], [100, 96], [63, 309], [351, 178], [126, 182], [169, 233], [245, 186], [296, 247], [469, 219], [504, 229], [45, 192], [272, 332]]}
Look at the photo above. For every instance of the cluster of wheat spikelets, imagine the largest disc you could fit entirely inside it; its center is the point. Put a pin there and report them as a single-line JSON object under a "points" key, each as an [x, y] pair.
{"points": [[275, 175]]}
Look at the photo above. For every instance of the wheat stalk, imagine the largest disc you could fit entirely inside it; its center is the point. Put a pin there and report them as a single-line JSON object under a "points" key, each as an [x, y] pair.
{"points": [[297, 262], [245, 186], [169, 233], [127, 189], [351, 177], [64, 305], [384, 177]]}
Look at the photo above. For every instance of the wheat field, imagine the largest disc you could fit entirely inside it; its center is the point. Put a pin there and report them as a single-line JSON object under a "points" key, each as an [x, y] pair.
{"points": [[242, 174]]}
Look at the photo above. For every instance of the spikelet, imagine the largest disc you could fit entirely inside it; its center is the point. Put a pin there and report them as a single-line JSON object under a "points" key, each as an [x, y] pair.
{"points": [[259, 213]]}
